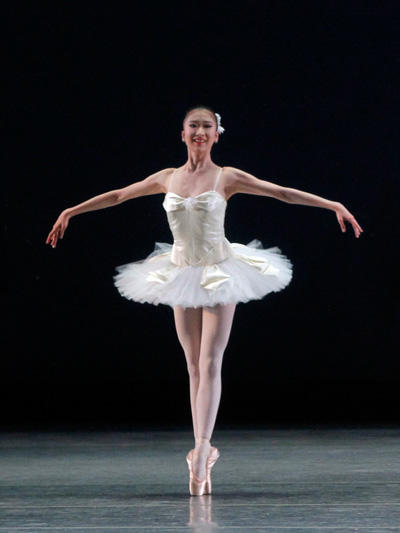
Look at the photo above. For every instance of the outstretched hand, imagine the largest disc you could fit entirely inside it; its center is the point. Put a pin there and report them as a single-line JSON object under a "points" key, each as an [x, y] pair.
{"points": [[58, 229], [343, 215]]}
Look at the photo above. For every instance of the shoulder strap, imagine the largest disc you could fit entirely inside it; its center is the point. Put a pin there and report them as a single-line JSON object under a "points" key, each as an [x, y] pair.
{"points": [[170, 180], [217, 180]]}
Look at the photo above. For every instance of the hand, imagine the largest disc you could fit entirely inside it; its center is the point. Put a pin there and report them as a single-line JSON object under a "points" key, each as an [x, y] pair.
{"points": [[59, 228], [342, 214]]}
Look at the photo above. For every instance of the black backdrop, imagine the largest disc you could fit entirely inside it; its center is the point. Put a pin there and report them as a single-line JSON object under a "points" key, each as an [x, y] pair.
{"points": [[95, 101]]}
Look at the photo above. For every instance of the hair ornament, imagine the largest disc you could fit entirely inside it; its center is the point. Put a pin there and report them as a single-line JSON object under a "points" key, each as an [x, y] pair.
{"points": [[220, 129]]}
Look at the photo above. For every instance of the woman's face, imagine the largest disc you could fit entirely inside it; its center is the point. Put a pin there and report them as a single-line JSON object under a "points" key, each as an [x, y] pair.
{"points": [[200, 130]]}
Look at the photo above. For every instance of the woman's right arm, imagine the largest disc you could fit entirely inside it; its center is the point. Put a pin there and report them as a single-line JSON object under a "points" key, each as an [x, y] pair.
{"points": [[154, 184]]}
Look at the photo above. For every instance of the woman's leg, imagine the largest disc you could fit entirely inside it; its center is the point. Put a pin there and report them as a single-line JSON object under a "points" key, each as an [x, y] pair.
{"points": [[216, 328], [188, 324]]}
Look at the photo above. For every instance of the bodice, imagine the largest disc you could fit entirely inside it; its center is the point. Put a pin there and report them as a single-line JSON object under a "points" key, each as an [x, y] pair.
{"points": [[197, 226]]}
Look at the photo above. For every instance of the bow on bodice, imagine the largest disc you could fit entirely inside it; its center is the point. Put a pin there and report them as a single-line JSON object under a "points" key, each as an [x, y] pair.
{"points": [[206, 200]]}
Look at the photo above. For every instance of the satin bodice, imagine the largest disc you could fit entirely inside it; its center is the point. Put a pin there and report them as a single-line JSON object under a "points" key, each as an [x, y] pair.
{"points": [[197, 226]]}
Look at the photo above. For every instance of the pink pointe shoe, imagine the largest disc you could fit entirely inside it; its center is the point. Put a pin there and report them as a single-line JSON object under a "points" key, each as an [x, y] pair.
{"points": [[198, 487]]}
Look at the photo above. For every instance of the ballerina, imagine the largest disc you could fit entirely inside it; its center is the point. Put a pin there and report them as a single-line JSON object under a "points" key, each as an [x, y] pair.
{"points": [[202, 276]]}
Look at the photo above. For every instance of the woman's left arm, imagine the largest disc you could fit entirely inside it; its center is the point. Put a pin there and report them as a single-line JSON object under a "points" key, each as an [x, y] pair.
{"points": [[240, 181], [294, 196]]}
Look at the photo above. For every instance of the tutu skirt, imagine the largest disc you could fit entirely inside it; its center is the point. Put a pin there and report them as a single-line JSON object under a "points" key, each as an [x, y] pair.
{"points": [[249, 274]]}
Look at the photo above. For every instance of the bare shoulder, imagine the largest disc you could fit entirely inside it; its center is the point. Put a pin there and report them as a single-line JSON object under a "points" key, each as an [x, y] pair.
{"points": [[238, 181], [231, 177], [156, 183], [161, 178]]}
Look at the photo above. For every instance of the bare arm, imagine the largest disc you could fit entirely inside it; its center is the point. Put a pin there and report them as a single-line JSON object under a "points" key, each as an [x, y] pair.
{"points": [[240, 181], [153, 184], [100, 201]]}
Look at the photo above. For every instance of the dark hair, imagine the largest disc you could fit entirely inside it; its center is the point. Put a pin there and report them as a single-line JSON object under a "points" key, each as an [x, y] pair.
{"points": [[201, 106]]}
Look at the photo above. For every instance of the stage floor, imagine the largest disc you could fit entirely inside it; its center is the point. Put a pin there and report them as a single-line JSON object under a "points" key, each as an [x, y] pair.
{"points": [[284, 480]]}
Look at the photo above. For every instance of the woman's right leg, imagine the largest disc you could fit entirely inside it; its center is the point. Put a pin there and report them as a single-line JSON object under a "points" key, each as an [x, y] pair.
{"points": [[188, 323]]}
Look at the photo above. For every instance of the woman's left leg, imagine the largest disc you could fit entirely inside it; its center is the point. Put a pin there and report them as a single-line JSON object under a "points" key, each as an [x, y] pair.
{"points": [[216, 328]]}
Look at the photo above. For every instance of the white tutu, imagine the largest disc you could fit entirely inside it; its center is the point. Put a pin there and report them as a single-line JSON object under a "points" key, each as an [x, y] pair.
{"points": [[249, 273]]}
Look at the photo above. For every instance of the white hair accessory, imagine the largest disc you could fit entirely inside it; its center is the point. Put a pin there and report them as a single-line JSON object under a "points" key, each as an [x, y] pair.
{"points": [[220, 129]]}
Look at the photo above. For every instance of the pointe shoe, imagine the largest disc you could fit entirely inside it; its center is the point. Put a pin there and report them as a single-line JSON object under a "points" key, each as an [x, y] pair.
{"points": [[198, 487], [211, 460]]}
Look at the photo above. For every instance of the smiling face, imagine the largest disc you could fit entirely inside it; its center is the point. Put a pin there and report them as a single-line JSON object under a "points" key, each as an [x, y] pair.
{"points": [[200, 130]]}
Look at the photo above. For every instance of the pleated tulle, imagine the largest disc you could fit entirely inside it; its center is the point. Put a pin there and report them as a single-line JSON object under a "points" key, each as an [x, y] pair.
{"points": [[250, 274]]}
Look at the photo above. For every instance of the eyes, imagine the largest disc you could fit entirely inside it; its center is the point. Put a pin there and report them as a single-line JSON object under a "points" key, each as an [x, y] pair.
{"points": [[193, 125]]}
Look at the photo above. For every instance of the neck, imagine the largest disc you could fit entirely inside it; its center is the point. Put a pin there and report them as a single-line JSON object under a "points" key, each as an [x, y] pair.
{"points": [[198, 162]]}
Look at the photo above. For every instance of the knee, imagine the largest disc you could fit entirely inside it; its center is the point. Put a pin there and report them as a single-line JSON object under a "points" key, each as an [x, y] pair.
{"points": [[192, 362], [193, 370], [211, 368]]}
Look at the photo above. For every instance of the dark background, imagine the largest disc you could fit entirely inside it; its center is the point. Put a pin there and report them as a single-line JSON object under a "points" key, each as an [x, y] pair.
{"points": [[95, 101]]}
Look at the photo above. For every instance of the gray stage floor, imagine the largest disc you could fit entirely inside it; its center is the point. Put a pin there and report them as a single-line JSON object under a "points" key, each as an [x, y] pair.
{"points": [[284, 480]]}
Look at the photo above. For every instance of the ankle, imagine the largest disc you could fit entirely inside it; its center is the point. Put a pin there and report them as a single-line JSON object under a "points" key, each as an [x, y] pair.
{"points": [[201, 441]]}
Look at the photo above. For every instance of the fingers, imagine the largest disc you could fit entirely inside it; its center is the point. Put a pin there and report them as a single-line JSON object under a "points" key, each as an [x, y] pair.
{"points": [[356, 226], [341, 223], [57, 231], [343, 216], [357, 229], [53, 237], [49, 237], [54, 240]]}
